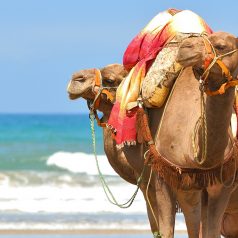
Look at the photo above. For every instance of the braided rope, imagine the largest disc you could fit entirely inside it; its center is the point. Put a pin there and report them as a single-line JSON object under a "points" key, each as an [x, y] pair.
{"points": [[201, 123]]}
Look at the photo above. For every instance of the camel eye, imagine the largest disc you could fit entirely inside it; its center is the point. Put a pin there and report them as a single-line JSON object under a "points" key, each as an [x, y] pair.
{"points": [[109, 80], [220, 47]]}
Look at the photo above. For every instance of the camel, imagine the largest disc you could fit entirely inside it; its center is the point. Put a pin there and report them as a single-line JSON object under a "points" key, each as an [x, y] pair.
{"points": [[229, 228], [205, 205], [128, 164], [203, 200]]}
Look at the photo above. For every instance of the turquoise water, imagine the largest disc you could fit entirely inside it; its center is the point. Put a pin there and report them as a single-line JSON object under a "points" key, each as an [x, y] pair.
{"points": [[26, 140]]}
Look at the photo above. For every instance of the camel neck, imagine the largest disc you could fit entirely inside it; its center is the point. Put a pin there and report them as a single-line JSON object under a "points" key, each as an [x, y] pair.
{"points": [[218, 116]]}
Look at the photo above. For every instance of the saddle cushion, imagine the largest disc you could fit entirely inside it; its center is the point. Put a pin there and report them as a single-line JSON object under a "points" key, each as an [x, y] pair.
{"points": [[162, 74]]}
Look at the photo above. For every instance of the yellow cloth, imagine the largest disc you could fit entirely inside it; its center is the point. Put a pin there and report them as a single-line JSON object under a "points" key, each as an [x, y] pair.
{"points": [[185, 21]]}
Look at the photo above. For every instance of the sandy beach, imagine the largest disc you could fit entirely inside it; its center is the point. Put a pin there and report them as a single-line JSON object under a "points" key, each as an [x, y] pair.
{"points": [[81, 233], [78, 232]]}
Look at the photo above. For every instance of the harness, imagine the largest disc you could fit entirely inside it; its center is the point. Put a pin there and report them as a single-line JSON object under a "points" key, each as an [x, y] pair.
{"points": [[98, 90], [212, 59]]}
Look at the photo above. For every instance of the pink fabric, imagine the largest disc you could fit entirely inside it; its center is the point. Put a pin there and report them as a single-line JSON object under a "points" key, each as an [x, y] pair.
{"points": [[141, 52], [125, 127]]}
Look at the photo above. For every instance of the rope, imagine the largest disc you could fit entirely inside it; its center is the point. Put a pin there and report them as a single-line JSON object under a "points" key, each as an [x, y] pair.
{"points": [[201, 123], [216, 57], [167, 103], [111, 198], [156, 234]]}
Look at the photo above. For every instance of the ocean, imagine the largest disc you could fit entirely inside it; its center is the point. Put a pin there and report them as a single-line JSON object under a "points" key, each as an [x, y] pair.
{"points": [[49, 180]]}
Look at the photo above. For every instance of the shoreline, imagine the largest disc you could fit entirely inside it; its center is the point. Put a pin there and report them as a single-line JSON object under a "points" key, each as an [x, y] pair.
{"points": [[79, 232]]}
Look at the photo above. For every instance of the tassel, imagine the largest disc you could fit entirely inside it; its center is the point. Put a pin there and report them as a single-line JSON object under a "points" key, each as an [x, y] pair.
{"points": [[153, 154], [142, 127], [139, 124], [144, 135]]}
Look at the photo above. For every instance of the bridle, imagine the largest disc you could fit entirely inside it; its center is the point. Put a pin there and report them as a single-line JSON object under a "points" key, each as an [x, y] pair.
{"points": [[98, 90], [211, 59]]}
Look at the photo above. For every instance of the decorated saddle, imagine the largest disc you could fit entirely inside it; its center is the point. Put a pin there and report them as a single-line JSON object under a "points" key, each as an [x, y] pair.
{"points": [[150, 60]]}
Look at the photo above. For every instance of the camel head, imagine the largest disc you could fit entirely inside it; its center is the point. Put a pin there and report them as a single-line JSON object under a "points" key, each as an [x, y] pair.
{"points": [[82, 84], [194, 51]]}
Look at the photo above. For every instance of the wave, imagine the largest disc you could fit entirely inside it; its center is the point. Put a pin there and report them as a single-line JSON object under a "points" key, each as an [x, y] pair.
{"points": [[73, 226], [80, 163], [66, 199], [73, 189], [62, 191]]}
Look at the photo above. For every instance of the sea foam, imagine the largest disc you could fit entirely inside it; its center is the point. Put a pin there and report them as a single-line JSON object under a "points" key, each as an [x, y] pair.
{"points": [[80, 163]]}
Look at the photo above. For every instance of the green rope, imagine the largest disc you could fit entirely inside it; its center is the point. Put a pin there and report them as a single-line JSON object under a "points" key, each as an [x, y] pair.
{"points": [[157, 234], [111, 198]]}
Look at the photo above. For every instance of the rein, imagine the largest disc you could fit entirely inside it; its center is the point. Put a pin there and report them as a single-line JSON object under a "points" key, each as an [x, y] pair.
{"points": [[111, 198], [93, 106]]}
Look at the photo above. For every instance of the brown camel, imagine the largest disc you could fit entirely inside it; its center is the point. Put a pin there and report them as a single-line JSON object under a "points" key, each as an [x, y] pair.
{"points": [[203, 199], [204, 205], [128, 163]]}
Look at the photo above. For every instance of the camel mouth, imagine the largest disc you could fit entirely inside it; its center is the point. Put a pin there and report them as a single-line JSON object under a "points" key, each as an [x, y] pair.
{"points": [[86, 95], [188, 61], [198, 70], [74, 96]]}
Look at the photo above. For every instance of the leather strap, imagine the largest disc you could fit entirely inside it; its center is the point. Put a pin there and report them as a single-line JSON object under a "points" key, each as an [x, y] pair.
{"points": [[223, 88], [225, 70], [98, 89], [101, 124], [209, 53], [212, 59]]}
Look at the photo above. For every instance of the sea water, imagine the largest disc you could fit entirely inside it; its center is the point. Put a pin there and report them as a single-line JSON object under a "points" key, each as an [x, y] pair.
{"points": [[49, 181]]}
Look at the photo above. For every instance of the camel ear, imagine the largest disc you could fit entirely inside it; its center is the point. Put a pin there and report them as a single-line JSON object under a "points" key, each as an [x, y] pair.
{"points": [[237, 42], [108, 74], [113, 73]]}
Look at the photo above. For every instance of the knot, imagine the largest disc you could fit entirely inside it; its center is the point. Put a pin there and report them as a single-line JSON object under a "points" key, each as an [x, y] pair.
{"points": [[157, 234], [151, 142]]}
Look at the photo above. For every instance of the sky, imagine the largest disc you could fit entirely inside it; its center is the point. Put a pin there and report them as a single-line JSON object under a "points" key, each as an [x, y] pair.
{"points": [[42, 42]]}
